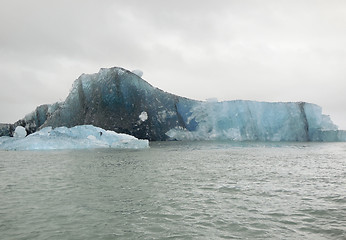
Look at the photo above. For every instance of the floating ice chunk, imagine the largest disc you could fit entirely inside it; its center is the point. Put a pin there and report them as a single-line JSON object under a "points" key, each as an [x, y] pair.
{"points": [[19, 132], [78, 137], [143, 116], [138, 72]]}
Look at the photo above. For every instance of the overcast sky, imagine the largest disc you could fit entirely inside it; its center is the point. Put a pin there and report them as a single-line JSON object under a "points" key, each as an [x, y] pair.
{"points": [[265, 50]]}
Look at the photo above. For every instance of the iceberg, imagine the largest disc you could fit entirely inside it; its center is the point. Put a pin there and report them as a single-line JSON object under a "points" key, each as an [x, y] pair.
{"points": [[121, 101], [78, 137]]}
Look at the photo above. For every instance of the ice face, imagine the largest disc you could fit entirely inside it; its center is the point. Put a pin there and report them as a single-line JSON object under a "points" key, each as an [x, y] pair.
{"points": [[78, 137], [255, 121], [119, 100]]}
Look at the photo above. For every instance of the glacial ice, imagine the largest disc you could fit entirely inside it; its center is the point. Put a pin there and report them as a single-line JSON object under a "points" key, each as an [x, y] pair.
{"points": [[256, 121], [121, 101], [78, 137], [19, 132]]}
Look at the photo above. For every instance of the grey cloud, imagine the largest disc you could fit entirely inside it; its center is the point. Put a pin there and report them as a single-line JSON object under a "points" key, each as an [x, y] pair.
{"points": [[260, 50]]}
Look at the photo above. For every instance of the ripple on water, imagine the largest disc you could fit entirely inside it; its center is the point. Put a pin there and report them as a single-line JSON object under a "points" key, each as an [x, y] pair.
{"points": [[176, 191]]}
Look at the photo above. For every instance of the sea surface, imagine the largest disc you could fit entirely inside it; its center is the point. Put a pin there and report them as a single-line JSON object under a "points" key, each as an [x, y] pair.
{"points": [[176, 190]]}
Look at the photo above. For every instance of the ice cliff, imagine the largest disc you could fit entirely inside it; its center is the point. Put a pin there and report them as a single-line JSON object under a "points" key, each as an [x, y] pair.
{"points": [[257, 121], [119, 100]]}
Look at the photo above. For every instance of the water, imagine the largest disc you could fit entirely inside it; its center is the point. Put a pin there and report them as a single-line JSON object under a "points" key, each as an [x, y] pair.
{"points": [[176, 190]]}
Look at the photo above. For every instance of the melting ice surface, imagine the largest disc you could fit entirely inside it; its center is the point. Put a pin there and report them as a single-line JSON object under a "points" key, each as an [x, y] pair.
{"points": [[78, 137]]}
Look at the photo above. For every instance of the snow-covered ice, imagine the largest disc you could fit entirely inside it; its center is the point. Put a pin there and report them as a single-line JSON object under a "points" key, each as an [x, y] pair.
{"points": [[78, 137]]}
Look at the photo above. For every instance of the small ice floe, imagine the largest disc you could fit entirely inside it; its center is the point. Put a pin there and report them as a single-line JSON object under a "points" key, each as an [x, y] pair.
{"points": [[78, 137]]}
